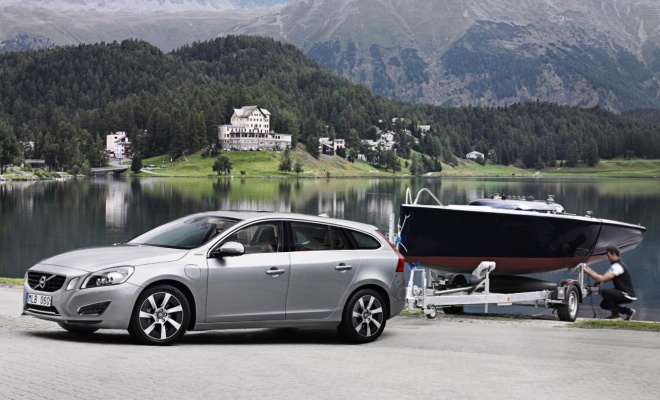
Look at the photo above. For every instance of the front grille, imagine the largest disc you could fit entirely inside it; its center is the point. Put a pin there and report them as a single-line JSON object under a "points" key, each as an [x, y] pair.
{"points": [[51, 310], [49, 283]]}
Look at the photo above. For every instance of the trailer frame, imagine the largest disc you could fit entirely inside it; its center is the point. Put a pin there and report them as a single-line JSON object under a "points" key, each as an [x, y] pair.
{"points": [[566, 298]]}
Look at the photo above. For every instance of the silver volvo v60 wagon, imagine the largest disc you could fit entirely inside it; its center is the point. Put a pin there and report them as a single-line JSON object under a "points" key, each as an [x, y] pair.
{"points": [[222, 270]]}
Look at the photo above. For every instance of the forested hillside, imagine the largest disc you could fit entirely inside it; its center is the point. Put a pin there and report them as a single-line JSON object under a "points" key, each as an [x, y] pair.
{"points": [[67, 99]]}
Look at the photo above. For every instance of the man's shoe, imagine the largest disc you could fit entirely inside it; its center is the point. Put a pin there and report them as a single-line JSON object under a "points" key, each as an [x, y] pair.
{"points": [[616, 317], [630, 314]]}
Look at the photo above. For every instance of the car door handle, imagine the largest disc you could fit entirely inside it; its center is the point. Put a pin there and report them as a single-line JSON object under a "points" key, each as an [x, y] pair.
{"points": [[343, 267], [275, 271]]}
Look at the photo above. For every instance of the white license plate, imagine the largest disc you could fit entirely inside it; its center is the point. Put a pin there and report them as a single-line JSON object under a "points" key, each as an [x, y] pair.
{"points": [[38, 299]]}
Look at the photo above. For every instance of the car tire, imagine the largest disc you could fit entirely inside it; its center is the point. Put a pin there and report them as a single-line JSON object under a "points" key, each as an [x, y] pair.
{"points": [[160, 316], [79, 329], [364, 317]]}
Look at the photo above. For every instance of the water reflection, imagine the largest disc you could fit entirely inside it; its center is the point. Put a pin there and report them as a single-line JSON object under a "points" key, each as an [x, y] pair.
{"points": [[41, 219]]}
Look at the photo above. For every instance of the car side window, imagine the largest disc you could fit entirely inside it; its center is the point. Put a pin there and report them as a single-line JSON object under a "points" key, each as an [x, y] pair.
{"points": [[311, 237], [339, 240], [265, 237], [364, 241], [318, 237]]}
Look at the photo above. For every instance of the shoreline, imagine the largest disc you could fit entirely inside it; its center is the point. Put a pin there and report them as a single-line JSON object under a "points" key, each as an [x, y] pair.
{"points": [[549, 176], [265, 166]]}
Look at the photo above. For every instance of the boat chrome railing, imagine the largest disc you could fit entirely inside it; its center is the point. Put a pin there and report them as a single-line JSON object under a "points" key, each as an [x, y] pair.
{"points": [[422, 190]]}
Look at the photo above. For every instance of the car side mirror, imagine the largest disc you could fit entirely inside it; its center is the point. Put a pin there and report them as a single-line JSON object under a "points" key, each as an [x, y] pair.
{"points": [[229, 249]]}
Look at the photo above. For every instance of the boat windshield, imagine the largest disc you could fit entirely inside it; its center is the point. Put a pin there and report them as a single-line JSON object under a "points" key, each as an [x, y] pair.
{"points": [[185, 233], [520, 205]]}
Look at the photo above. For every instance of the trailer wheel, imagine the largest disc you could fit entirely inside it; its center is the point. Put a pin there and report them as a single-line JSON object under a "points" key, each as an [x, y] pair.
{"points": [[569, 311], [453, 310], [432, 312]]}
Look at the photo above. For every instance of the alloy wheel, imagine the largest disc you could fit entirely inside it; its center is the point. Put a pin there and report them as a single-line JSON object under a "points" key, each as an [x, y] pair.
{"points": [[367, 316], [161, 316]]}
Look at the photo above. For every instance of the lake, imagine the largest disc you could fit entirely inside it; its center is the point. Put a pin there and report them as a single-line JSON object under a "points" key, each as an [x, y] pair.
{"points": [[41, 219]]}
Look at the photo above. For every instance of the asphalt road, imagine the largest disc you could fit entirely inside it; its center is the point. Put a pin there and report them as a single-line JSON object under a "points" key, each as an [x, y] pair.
{"points": [[415, 358]]}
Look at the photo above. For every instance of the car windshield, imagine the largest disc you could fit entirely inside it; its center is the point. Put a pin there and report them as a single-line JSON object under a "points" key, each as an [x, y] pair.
{"points": [[185, 233]]}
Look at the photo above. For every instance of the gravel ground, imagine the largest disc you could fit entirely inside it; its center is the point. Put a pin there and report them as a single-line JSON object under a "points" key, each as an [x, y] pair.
{"points": [[467, 357]]}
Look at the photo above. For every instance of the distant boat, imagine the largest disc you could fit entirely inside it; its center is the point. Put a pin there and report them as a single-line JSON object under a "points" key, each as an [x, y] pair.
{"points": [[521, 235]]}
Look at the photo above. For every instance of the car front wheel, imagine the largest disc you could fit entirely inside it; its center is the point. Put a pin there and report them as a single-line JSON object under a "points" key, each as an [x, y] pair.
{"points": [[364, 317], [160, 316]]}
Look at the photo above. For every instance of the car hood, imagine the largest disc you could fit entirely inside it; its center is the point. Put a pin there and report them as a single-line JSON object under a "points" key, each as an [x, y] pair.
{"points": [[97, 258]]}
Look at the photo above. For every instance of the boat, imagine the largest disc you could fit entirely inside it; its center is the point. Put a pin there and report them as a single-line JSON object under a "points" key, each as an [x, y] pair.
{"points": [[521, 235]]}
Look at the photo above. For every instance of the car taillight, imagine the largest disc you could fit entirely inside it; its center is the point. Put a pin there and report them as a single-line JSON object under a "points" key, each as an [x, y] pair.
{"points": [[401, 264]]}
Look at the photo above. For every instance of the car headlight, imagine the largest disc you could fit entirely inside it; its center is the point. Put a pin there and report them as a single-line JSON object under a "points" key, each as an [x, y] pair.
{"points": [[108, 277]]}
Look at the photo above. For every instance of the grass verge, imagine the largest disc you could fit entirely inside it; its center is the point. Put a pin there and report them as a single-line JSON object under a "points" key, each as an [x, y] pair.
{"points": [[627, 325], [261, 164], [584, 324], [11, 282], [616, 168]]}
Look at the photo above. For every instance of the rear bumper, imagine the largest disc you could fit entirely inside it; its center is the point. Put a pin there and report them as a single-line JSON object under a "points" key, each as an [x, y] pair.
{"points": [[397, 295]]}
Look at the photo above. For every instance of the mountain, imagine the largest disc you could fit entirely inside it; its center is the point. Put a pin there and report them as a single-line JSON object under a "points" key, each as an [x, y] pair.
{"points": [[487, 52], [168, 24], [146, 6], [586, 53], [65, 100]]}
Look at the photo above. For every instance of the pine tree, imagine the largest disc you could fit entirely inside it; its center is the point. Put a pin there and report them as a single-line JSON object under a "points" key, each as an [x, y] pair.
{"points": [[136, 163], [298, 168], [10, 150], [416, 167], [285, 162], [572, 155], [591, 153]]}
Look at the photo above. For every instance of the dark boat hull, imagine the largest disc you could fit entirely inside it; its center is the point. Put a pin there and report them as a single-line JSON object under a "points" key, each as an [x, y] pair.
{"points": [[458, 238]]}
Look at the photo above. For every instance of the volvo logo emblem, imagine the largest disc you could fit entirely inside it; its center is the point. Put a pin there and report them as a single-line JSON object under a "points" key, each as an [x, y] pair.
{"points": [[42, 282]]}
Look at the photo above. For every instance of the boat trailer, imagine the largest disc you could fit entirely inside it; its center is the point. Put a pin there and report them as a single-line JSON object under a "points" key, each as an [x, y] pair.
{"points": [[450, 298]]}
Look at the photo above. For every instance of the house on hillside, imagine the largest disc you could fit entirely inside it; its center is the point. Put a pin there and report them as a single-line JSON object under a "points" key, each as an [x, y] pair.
{"points": [[249, 129], [423, 129], [384, 142], [474, 155], [330, 147], [118, 145]]}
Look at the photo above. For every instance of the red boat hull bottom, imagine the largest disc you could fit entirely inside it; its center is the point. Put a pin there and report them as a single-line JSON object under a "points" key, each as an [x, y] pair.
{"points": [[503, 265]]}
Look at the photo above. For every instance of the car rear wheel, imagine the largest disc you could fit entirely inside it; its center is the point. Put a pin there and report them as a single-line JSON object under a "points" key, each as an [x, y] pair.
{"points": [[364, 317], [160, 316], [80, 329]]}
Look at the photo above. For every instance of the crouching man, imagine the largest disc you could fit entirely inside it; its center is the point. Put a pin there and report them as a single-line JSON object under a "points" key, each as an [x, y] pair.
{"points": [[623, 292]]}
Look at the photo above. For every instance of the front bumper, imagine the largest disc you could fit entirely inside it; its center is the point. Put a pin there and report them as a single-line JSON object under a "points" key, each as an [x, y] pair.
{"points": [[111, 306]]}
